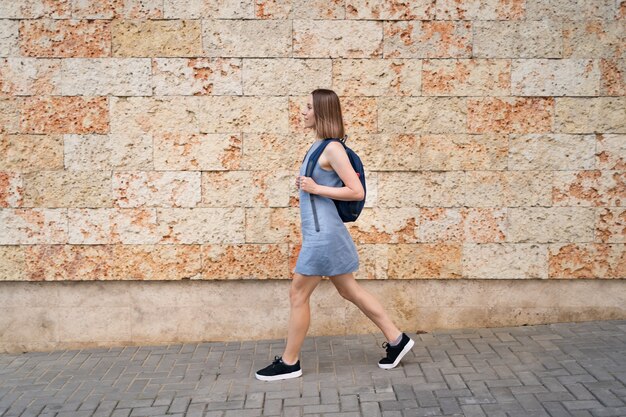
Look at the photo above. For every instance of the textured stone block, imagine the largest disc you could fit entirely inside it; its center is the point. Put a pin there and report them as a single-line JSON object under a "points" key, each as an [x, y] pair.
{"points": [[266, 151], [611, 151], [65, 38], [517, 39], [613, 77], [246, 188], [421, 114], [110, 324], [297, 76], [156, 38], [427, 39], [9, 115], [68, 189], [134, 226], [28, 153], [9, 37], [156, 262], [376, 77], [110, 76], [300, 9], [35, 9], [550, 224], [247, 38], [610, 225], [385, 10], [548, 77], [373, 261], [572, 10], [69, 262], [580, 260], [555, 152], [480, 10], [139, 115], [30, 76], [386, 225], [337, 39], [197, 76], [510, 114], [479, 225], [22, 226], [505, 260], [590, 115], [197, 152], [156, 188], [273, 225], [106, 152], [508, 188], [12, 263], [466, 77], [387, 152], [463, 152], [249, 261], [424, 260], [202, 225], [242, 114], [594, 39], [128, 9], [11, 189], [591, 188], [359, 114], [44, 114], [427, 189], [215, 9]]}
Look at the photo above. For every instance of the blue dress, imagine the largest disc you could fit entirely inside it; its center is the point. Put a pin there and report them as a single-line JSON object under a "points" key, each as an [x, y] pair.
{"points": [[331, 251]]}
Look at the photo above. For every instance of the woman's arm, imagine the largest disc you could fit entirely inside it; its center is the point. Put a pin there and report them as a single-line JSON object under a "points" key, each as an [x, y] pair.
{"points": [[338, 159]]}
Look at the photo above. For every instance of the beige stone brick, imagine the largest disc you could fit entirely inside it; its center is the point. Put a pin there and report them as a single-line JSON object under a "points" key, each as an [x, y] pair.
{"points": [[359, 114], [273, 225], [69, 262], [197, 152], [9, 115], [591, 188], [466, 77], [508, 188], [594, 39], [387, 152], [213, 9], [371, 194], [140, 115], [517, 39], [68, 189], [25, 226], [610, 226], [108, 324], [296, 76], [156, 188], [246, 188], [247, 261], [243, 114], [421, 114], [510, 114], [590, 115], [427, 39], [551, 151], [197, 76], [65, 38], [156, 38], [613, 77], [572, 10], [337, 39], [35, 9], [449, 152], [373, 261], [505, 260], [410, 189], [106, 152], [587, 260], [247, 38], [425, 260], [156, 262], [202, 225], [135, 226], [300, 9], [113, 9], [390, 10], [386, 225], [12, 263], [11, 189], [268, 151], [480, 10], [17, 327], [30, 76], [377, 77], [549, 77], [479, 225], [550, 224], [45, 114], [110, 76], [611, 151], [9, 37], [30, 153]]}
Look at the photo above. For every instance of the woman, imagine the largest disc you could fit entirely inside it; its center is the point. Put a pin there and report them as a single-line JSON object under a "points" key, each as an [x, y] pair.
{"points": [[330, 251]]}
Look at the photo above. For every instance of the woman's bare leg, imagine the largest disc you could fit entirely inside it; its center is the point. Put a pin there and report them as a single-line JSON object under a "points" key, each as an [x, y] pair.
{"points": [[349, 289], [299, 317]]}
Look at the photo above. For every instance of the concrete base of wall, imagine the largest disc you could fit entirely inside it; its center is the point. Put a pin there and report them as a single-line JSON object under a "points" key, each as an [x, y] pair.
{"points": [[41, 316]]}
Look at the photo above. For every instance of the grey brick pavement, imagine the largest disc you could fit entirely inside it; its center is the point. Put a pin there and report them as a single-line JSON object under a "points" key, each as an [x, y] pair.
{"points": [[563, 369]]}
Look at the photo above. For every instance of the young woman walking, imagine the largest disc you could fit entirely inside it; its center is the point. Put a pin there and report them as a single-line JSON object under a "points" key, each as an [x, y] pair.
{"points": [[330, 251]]}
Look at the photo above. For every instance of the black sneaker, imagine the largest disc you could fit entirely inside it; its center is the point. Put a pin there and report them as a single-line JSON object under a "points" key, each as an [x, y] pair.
{"points": [[395, 353], [279, 370]]}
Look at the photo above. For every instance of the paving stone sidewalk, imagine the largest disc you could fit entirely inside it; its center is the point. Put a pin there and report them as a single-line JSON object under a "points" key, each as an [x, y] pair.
{"points": [[563, 369]]}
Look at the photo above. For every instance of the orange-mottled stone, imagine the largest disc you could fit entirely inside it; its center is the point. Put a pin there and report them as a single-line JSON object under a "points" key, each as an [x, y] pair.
{"points": [[116, 9], [464, 152], [359, 114], [425, 260], [30, 76], [11, 189], [613, 77], [28, 153], [511, 114], [69, 262], [273, 225], [611, 225], [9, 115], [65, 38], [156, 262], [611, 151], [427, 39], [249, 261], [64, 115], [466, 77], [587, 260], [480, 9], [479, 225], [12, 261], [589, 188]]}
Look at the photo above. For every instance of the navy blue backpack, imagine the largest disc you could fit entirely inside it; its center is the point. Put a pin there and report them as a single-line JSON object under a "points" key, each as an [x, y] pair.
{"points": [[348, 210]]}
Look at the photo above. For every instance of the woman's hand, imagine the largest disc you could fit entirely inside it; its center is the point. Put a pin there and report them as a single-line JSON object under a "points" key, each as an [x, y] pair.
{"points": [[306, 184]]}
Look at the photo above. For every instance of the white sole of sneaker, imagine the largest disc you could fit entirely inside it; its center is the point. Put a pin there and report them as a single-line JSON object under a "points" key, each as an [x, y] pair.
{"points": [[406, 349], [294, 374]]}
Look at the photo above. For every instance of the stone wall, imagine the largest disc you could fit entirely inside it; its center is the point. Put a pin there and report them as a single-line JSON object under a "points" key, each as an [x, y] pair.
{"points": [[159, 139]]}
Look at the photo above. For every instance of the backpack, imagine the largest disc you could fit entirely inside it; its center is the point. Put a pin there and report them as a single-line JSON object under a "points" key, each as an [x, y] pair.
{"points": [[348, 210]]}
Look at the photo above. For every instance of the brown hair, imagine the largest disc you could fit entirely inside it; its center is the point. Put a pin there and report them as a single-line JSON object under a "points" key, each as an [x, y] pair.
{"points": [[327, 113]]}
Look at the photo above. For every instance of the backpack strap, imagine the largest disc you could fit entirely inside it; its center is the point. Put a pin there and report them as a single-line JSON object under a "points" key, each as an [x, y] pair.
{"points": [[309, 170]]}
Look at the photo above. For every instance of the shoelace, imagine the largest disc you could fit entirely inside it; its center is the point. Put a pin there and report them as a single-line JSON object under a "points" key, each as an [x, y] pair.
{"points": [[276, 360]]}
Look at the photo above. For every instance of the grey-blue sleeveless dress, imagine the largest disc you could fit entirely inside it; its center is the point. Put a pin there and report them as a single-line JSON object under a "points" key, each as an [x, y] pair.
{"points": [[331, 251]]}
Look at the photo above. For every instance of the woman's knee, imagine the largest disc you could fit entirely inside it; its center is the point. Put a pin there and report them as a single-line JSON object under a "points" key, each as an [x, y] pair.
{"points": [[301, 288]]}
